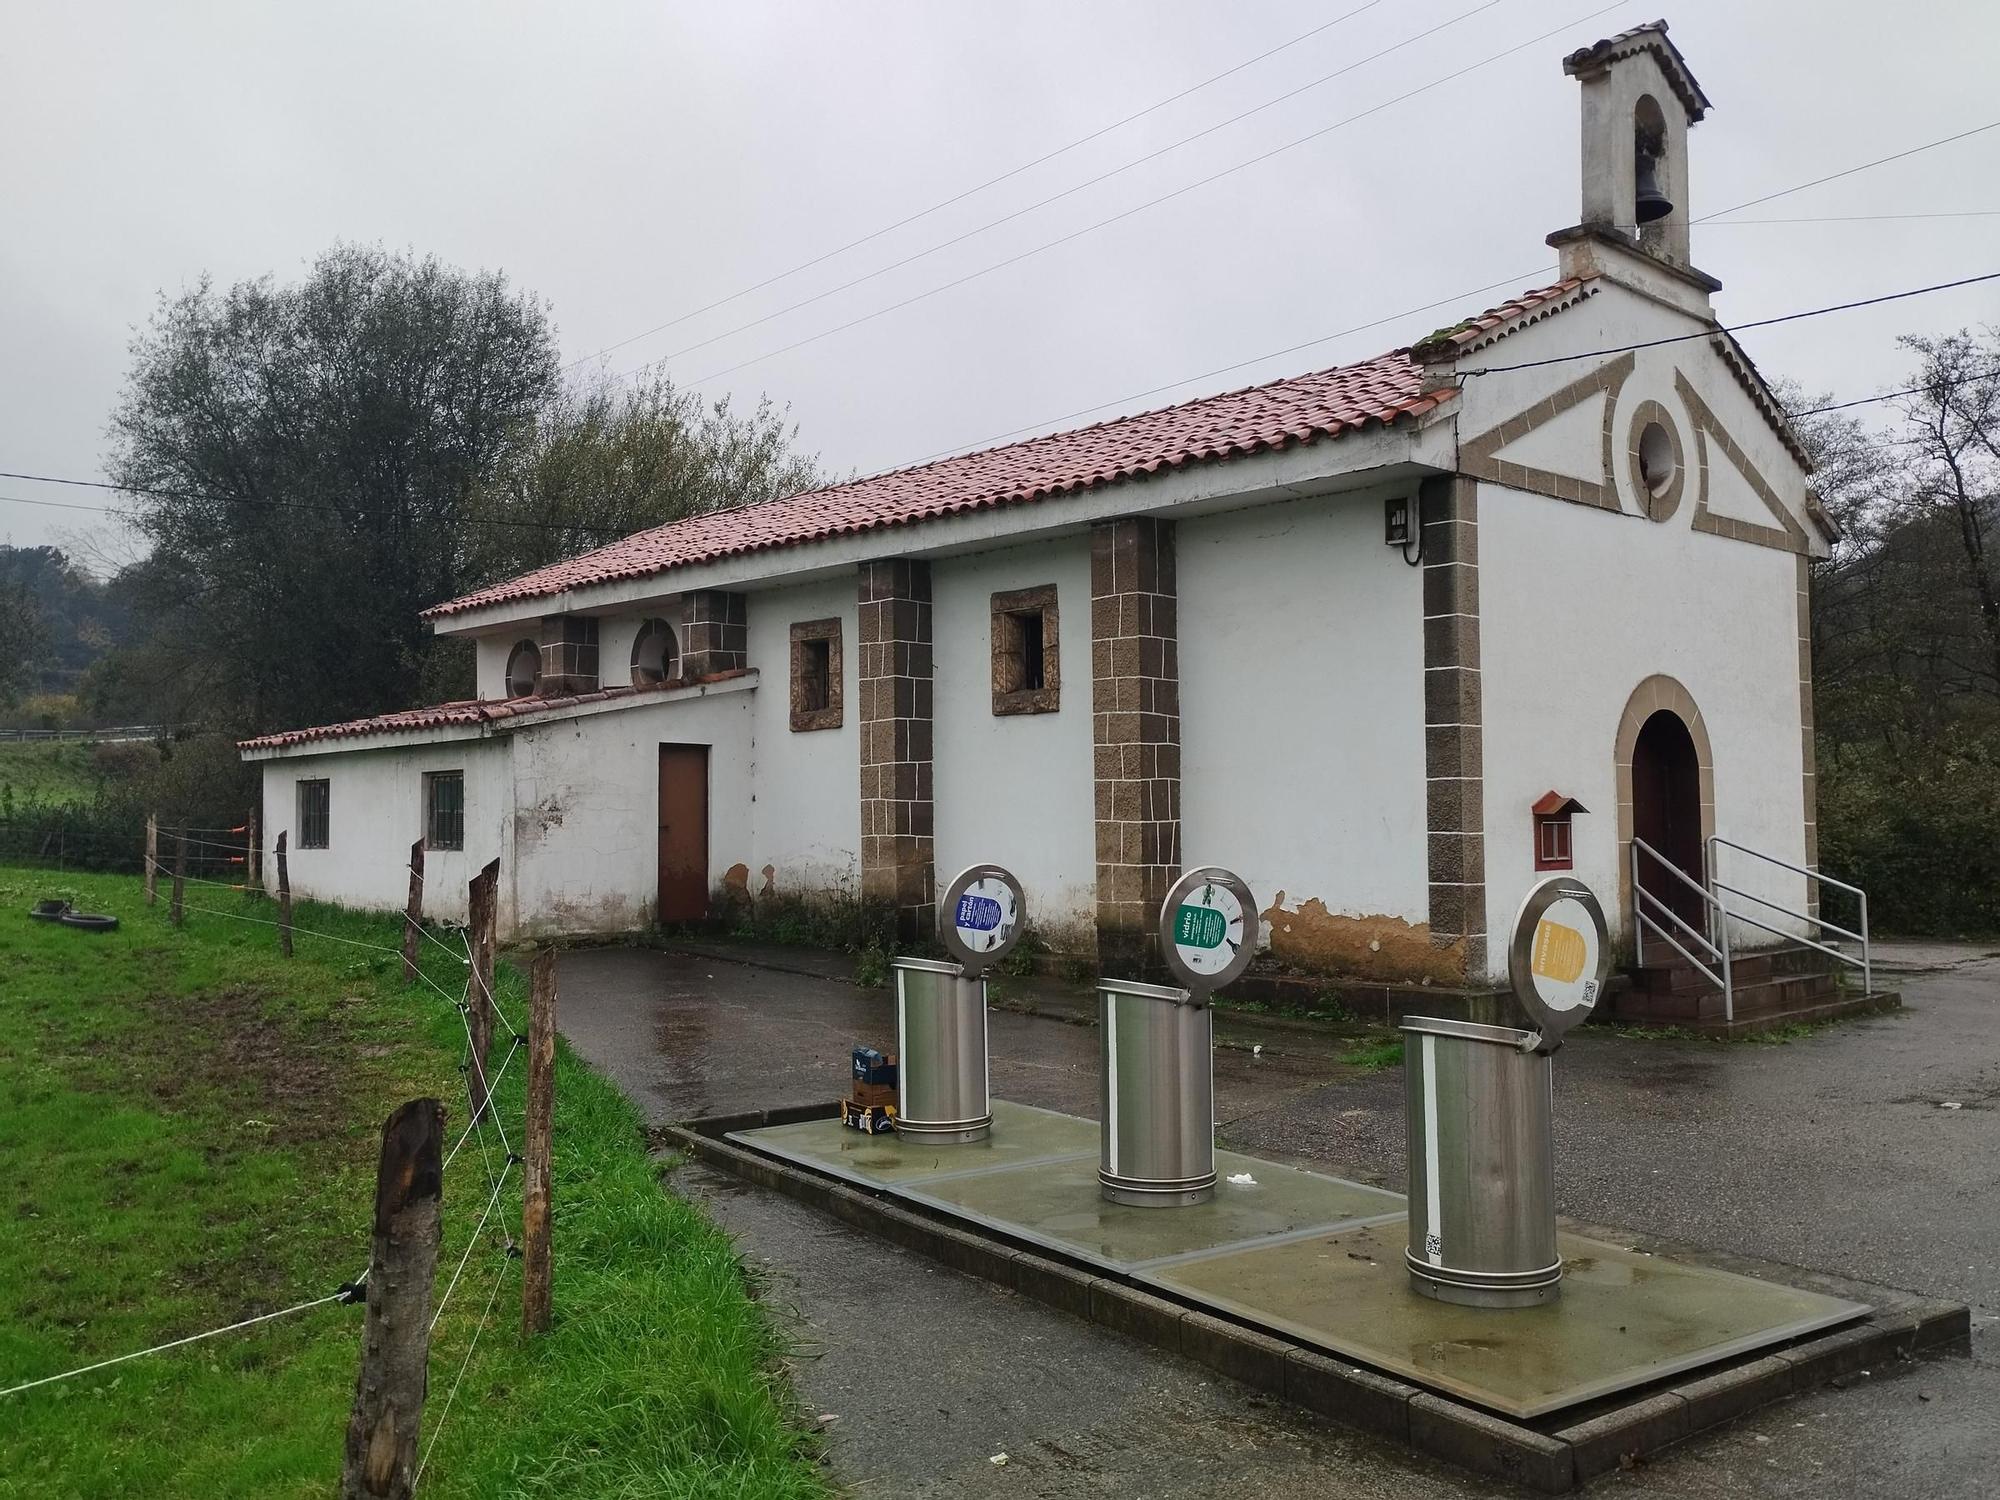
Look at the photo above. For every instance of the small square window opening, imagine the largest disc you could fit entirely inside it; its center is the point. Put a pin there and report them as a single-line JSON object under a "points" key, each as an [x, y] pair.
{"points": [[315, 813], [444, 810], [1027, 658], [816, 674]]}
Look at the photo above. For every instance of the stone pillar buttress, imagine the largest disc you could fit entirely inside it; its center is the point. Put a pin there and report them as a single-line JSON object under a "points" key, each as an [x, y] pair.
{"points": [[717, 634], [1136, 735], [893, 630]]}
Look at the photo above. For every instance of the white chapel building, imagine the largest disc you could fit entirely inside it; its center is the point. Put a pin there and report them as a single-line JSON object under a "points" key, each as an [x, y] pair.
{"points": [[1389, 640]]}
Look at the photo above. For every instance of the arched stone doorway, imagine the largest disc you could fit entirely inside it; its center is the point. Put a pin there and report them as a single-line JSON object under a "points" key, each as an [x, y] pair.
{"points": [[1666, 793]]}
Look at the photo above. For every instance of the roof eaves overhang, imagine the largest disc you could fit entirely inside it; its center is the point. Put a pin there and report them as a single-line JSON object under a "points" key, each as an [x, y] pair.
{"points": [[500, 726], [1355, 459]]}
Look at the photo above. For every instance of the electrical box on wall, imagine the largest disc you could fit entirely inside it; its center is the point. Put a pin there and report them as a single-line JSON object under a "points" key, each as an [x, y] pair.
{"points": [[1396, 521], [1552, 811]]}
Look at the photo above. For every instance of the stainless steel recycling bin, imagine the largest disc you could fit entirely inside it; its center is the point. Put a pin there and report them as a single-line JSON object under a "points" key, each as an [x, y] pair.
{"points": [[1482, 1165], [941, 1077], [1158, 1098]]}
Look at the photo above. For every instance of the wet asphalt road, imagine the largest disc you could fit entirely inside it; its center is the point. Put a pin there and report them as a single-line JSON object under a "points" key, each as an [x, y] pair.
{"points": [[1831, 1152]]}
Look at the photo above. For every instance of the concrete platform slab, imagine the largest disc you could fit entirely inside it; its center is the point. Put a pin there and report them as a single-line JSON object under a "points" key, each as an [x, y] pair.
{"points": [[1021, 1135], [1058, 1204], [1625, 1318]]}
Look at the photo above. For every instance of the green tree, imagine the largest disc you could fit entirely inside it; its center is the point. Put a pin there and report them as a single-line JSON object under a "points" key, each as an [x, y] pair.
{"points": [[20, 639], [609, 456], [304, 459]]}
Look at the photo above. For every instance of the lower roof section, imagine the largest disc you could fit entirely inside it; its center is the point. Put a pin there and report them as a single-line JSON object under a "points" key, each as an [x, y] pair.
{"points": [[472, 718]]}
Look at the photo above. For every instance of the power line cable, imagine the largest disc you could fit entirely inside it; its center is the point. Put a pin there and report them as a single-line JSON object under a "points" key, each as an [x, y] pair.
{"points": [[1734, 328], [1850, 171], [256, 502], [1915, 390], [1089, 182], [1012, 172], [1141, 207], [1508, 281]]}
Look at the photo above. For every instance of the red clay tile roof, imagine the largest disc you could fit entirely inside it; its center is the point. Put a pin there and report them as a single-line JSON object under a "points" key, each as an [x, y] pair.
{"points": [[465, 712], [1257, 419], [1448, 343]]}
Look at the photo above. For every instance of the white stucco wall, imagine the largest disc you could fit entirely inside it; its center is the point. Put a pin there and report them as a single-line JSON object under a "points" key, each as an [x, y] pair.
{"points": [[806, 821], [586, 822], [1578, 607], [375, 810], [491, 653], [1302, 722], [1017, 789]]}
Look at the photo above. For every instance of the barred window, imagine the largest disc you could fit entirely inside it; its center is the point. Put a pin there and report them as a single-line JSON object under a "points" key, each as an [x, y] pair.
{"points": [[444, 810], [816, 674], [315, 813], [1027, 665]]}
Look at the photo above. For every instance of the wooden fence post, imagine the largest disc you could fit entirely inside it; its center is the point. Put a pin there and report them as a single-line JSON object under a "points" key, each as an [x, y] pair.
{"points": [[537, 1268], [284, 899], [413, 913], [180, 872], [383, 1427], [152, 860], [482, 913], [253, 863]]}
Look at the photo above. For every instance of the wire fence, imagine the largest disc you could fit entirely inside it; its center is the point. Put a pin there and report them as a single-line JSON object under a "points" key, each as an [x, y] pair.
{"points": [[86, 841], [483, 1120]]}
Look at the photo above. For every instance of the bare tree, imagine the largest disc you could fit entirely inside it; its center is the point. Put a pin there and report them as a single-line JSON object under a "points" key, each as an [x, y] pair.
{"points": [[1954, 421]]}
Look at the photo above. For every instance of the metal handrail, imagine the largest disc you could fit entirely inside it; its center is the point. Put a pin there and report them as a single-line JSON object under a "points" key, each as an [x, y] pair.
{"points": [[1803, 942], [1865, 963], [1772, 859], [1703, 969], [1681, 922], [1784, 910], [1717, 942], [1640, 921]]}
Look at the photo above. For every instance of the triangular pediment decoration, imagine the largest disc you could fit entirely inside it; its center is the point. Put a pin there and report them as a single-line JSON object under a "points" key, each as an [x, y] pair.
{"points": [[1724, 470], [1523, 451]]}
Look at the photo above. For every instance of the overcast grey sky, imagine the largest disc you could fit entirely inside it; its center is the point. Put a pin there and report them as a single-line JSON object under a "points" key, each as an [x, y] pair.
{"points": [[632, 162]]}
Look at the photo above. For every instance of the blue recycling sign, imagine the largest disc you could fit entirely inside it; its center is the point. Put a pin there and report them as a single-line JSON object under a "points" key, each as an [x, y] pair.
{"points": [[977, 913]]}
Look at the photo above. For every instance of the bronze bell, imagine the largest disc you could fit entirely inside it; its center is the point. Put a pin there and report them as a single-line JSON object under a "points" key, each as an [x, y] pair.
{"points": [[1650, 203]]}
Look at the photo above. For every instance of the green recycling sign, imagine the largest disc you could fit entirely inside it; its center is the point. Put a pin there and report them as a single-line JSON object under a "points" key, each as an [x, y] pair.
{"points": [[1208, 929], [1199, 927]]}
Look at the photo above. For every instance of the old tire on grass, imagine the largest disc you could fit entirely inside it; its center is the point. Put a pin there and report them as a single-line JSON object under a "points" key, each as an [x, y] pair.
{"points": [[89, 921]]}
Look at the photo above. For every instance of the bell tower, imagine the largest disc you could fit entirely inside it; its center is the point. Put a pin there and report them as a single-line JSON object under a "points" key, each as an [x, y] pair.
{"points": [[1638, 101]]}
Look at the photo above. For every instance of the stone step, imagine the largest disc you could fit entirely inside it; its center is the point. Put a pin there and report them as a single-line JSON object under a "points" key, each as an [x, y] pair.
{"points": [[1678, 976], [1775, 995]]}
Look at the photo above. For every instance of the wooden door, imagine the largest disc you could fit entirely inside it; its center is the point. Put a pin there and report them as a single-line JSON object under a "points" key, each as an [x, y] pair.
{"points": [[1666, 813], [683, 833]]}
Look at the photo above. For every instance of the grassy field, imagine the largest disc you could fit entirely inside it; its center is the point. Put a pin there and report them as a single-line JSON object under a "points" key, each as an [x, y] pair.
{"points": [[188, 1131], [45, 773]]}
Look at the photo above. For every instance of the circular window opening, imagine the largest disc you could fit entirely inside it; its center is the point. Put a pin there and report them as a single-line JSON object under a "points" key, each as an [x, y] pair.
{"points": [[654, 654], [524, 670], [1658, 462]]}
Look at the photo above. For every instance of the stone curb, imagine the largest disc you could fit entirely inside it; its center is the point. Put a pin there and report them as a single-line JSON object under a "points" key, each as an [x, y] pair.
{"points": [[1550, 1462]]}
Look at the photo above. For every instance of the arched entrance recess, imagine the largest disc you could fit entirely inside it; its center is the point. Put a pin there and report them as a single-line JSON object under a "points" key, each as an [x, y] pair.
{"points": [[1666, 792]]}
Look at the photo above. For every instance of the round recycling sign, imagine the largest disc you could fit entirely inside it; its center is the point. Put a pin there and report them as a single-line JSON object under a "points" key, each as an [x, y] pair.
{"points": [[1560, 955], [980, 916], [1208, 929]]}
